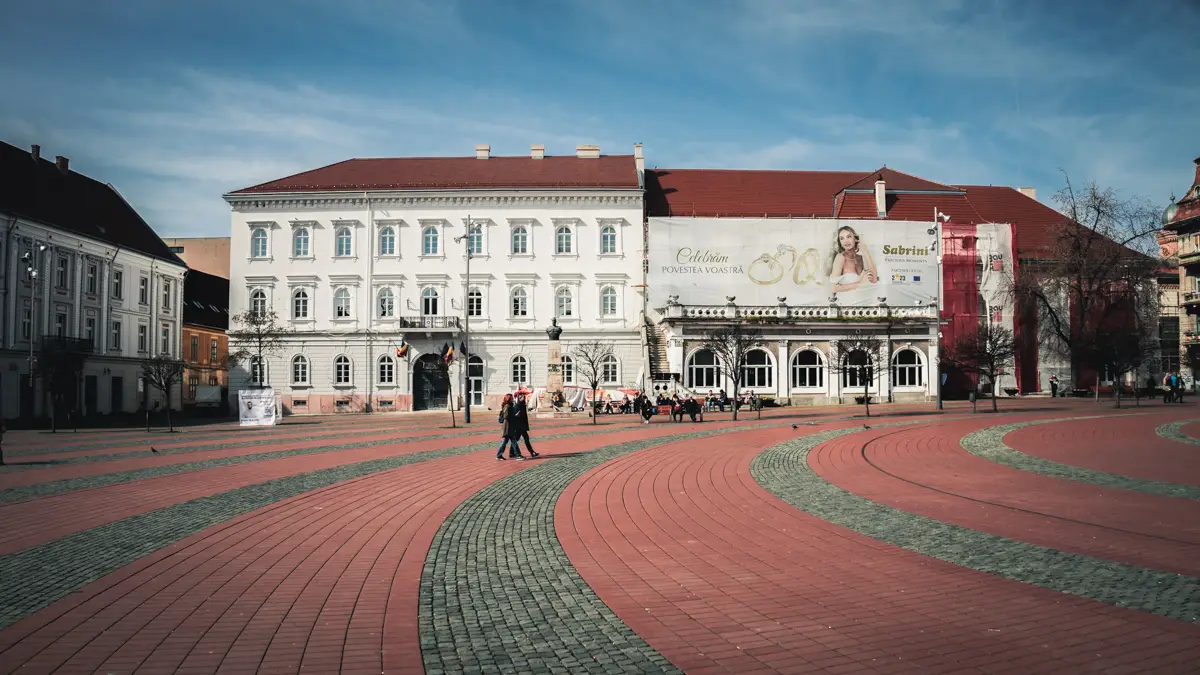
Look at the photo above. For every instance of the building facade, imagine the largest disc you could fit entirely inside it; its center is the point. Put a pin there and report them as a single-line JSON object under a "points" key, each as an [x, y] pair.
{"points": [[205, 345], [206, 254], [1182, 219], [364, 263], [83, 273]]}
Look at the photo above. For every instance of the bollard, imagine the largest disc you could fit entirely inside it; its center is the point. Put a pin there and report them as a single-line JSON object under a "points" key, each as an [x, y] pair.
{"points": [[973, 410]]}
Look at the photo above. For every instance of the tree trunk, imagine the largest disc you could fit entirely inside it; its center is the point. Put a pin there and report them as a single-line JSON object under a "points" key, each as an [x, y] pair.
{"points": [[1117, 393], [736, 400], [867, 396], [995, 395], [594, 404], [170, 426]]}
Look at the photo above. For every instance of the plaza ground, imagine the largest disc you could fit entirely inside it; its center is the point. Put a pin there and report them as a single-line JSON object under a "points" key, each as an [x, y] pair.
{"points": [[1057, 536]]}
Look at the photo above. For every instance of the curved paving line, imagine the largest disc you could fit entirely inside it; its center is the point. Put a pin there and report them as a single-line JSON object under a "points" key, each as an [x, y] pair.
{"points": [[1174, 431], [40, 575], [989, 444], [498, 593], [54, 487], [783, 470]]}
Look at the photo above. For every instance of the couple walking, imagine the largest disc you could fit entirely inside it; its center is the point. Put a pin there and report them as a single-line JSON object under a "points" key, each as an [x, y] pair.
{"points": [[514, 415]]}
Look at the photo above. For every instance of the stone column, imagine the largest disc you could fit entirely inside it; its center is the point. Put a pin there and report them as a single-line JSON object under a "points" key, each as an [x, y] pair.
{"points": [[45, 283], [554, 375], [103, 273], [782, 371], [12, 285], [835, 378], [77, 329]]}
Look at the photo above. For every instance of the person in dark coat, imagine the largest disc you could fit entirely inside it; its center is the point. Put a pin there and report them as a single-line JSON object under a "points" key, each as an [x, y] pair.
{"points": [[509, 435], [521, 428], [647, 409], [691, 407]]}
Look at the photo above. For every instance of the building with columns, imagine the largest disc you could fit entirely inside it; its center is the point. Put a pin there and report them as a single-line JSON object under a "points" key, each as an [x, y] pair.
{"points": [[105, 285], [1181, 223], [365, 256]]}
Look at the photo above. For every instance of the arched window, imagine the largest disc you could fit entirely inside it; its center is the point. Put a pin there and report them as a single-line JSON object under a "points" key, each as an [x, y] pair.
{"points": [[758, 371], [520, 302], [608, 239], [258, 243], [609, 372], [857, 371], [520, 370], [475, 303], [343, 240], [563, 303], [341, 304], [475, 240], [300, 304], [429, 241], [562, 240], [475, 381], [387, 370], [300, 242], [341, 370], [568, 370], [520, 240], [808, 369], [387, 304], [299, 369], [702, 370], [258, 373], [387, 241], [429, 302], [258, 301], [907, 368], [608, 301]]}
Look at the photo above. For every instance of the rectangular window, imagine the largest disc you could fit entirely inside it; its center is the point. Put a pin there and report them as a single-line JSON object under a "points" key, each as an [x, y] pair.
{"points": [[144, 291], [166, 294], [60, 324], [195, 347], [142, 339], [166, 339], [212, 351], [212, 380], [91, 278], [91, 331], [26, 324], [118, 284], [116, 336], [62, 275], [193, 383]]}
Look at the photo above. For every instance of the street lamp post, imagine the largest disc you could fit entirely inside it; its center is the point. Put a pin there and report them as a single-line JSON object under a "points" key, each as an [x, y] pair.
{"points": [[467, 325], [938, 219], [32, 271]]}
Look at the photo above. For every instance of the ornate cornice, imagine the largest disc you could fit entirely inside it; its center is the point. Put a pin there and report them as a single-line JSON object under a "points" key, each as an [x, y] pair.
{"points": [[285, 202]]}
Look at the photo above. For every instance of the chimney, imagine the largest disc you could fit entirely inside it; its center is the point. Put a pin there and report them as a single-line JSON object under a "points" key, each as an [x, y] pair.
{"points": [[1030, 192], [537, 151], [880, 199], [1197, 162], [36, 151], [62, 163], [638, 159], [587, 151], [483, 151]]}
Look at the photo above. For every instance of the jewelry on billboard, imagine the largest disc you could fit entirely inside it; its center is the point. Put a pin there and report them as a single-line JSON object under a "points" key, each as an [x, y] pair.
{"points": [[773, 266], [808, 262]]}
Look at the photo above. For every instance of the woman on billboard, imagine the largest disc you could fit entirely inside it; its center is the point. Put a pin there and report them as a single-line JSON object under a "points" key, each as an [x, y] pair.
{"points": [[852, 265]]}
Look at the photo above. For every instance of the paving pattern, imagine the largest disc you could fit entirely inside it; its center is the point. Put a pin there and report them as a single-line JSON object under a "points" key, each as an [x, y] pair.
{"points": [[1053, 537]]}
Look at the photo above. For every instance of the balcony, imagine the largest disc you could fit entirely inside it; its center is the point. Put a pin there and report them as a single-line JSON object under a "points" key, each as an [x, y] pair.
{"points": [[57, 343], [446, 323], [1190, 337], [1189, 298]]}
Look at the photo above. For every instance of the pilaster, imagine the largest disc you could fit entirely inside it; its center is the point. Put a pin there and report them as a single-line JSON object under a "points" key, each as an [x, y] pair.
{"points": [[782, 379], [77, 308]]}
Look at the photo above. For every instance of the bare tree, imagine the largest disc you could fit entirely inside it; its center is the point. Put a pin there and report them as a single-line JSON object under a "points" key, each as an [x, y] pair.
{"points": [[861, 358], [589, 359], [730, 344], [1134, 345], [990, 352], [257, 336], [163, 373], [1096, 264]]}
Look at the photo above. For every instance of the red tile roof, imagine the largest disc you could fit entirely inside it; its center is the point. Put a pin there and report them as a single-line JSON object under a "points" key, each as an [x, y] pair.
{"points": [[804, 194], [461, 173]]}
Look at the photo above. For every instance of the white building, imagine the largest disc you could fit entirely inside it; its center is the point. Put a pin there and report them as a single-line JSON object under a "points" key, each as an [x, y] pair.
{"points": [[105, 285], [360, 257]]}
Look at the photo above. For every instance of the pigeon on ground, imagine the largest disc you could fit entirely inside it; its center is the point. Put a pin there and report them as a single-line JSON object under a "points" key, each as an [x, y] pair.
{"points": [[794, 427], [866, 426], [153, 450]]}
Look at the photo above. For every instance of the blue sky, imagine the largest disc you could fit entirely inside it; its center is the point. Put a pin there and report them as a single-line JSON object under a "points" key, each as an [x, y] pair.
{"points": [[178, 102]]}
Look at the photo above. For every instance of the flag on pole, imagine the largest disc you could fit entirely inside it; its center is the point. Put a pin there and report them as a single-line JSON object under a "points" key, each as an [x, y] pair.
{"points": [[402, 350], [448, 353]]}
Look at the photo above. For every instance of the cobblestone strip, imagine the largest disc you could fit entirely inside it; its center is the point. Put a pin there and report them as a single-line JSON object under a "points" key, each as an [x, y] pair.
{"points": [[26, 492], [499, 595], [38, 576], [783, 470], [989, 444], [1174, 431]]}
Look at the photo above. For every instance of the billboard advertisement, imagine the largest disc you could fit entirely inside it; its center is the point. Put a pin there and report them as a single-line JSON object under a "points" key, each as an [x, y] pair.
{"points": [[809, 261], [256, 407]]}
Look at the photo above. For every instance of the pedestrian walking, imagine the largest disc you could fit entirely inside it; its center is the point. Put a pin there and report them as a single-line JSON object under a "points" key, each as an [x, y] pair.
{"points": [[521, 413], [1053, 386], [508, 425]]}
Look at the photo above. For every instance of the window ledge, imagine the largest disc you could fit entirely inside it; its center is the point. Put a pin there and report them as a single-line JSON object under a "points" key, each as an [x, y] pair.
{"points": [[303, 257], [381, 386], [342, 319], [432, 256], [611, 319], [611, 255], [260, 258], [519, 255], [566, 255], [567, 319], [301, 385], [387, 256], [343, 386], [345, 257], [520, 319]]}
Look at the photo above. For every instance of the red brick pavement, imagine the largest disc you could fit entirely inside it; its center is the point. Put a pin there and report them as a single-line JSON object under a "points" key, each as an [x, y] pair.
{"points": [[926, 471], [722, 577], [322, 581], [1120, 445]]}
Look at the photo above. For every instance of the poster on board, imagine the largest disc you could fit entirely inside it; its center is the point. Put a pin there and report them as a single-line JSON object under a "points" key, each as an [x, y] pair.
{"points": [[808, 261], [256, 407]]}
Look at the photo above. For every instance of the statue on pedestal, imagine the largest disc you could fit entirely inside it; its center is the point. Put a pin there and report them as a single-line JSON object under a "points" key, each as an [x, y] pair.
{"points": [[554, 375]]}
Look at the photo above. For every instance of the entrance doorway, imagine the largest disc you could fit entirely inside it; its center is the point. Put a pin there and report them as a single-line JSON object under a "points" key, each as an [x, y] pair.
{"points": [[475, 379], [117, 395], [431, 384], [89, 395]]}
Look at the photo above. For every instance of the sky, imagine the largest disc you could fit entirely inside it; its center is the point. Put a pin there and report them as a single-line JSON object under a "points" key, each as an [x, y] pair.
{"points": [[177, 103]]}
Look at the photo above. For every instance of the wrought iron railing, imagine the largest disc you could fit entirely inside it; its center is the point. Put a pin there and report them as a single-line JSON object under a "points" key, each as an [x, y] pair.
{"points": [[57, 343], [433, 322]]}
